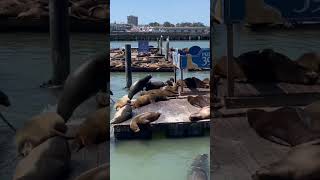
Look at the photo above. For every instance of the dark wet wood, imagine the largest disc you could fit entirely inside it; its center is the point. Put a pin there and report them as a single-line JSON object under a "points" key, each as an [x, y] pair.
{"points": [[238, 151]]}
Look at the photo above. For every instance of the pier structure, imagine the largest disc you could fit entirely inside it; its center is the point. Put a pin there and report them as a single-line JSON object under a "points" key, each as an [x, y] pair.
{"points": [[152, 36]]}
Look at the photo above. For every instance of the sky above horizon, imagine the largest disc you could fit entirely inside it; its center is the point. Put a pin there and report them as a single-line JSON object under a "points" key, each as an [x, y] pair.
{"points": [[174, 11]]}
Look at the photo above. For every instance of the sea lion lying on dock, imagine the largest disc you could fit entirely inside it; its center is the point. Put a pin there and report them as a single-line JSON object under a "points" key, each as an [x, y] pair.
{"points": [[147, 99], [301, 163], [4, 99], [37, 130], [101, 172], [80, 85], [93, 130], [160, 92], [204, 113], [199, 168], [199, 101], [285, 126], [192, 83], [122, 115], [143, 118], [138, 86], [220, 69], [50, 161], [267, 66], [122, 102], [310, 61], [154, 85]]}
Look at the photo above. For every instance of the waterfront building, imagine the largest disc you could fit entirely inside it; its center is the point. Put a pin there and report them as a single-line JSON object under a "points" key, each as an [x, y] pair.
{"points": [[132, 20]]}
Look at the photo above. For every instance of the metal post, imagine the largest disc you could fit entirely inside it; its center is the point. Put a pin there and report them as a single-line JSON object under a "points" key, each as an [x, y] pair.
{"points": [[158, 43], [128, 65], [181, 74], [59, 37], [230, 81], [161, 39], [167, 48]]}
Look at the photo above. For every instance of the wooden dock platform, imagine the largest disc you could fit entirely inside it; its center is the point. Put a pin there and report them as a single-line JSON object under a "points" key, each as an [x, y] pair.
{"points": [[174, 121], [238, 152]]}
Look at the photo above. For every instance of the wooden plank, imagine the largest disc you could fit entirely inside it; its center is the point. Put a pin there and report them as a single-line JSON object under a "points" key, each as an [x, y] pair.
{"points": [[238, 151], [297, 99]]}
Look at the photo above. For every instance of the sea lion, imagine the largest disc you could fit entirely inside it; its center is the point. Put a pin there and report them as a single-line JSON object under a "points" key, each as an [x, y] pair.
{"points": [[199, 101], [170, 82], [122, 115], [93, 130], [194, 83], [101, 172], [38, 129], [84, 82], [286, 126], [4, 99], [50, 160], [102, 99], [122, 102], [312, 112], [138, 86], [301, 163], [199, 168], [147, 99], [220, 69], [143, 118], [190, 64], [204, 113], [11, 8], [99, 11], [310, 61], [154, 85], [160, 92], [35, 12]]}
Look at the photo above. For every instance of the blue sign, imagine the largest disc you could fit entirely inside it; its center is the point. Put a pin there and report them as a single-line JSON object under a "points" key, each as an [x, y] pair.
{"points": [[234, 11], [202, 60], [297, 10], [143, 47]]}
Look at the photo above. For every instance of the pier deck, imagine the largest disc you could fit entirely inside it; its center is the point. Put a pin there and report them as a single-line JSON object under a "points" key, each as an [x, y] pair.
{"points": [[238, 151], [174, 121]]}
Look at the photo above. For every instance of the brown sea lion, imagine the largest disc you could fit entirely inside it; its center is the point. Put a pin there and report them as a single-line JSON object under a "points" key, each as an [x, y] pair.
{"points": [[221, 69], [101, 172], [301, 163], [310, 61], [138, 86], [36, 12], [122, 102], [147, 99], [204, 113], [194, 83], [50, 161], [38, 129], [93, 130], [143, 118], [160, 92], [285, 126], [11, 8], [199, 101], [199, 168], [122, 115], [99, 11], [83, 83]]}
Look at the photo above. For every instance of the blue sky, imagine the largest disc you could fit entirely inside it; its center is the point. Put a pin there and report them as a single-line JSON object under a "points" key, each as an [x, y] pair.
{"points": [[173, 11]]}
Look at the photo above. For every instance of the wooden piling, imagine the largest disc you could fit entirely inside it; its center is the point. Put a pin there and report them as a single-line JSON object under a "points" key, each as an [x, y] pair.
{"points": [[167, 49], [59, 38], [161, 40], [128, 65], [230, 83]]}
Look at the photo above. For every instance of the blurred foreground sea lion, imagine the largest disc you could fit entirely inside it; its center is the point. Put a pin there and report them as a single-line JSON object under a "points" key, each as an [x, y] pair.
{"points": [[99, 173], [48, 161], [84, 82], [37, 130]]}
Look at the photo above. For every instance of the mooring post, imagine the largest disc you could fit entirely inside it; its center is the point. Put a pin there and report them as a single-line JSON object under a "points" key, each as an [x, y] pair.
{"points": [[158, 43], [128, 65], [59, 38], [167, 48], [230, 82], [181, 74], [161, 39]]}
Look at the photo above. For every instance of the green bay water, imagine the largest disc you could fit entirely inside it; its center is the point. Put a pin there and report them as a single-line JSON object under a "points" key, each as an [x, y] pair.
{"points": [[159, 158]]}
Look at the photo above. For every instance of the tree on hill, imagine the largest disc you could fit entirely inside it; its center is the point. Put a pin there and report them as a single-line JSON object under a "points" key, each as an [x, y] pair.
{"points": [[168, 24], [154, 24]]}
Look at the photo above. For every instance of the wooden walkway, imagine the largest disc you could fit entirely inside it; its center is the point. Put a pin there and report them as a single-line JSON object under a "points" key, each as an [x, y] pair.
{"points": [[174, 120], [237, 151]]}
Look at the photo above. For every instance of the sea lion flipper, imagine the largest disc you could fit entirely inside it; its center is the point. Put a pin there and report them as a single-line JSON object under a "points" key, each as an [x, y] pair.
{"points": [[58, 133], [277, 140]]}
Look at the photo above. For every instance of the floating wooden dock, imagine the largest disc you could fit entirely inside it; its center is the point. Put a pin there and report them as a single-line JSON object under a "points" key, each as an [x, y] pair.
{"points": [[237, 151], [174, 120]]}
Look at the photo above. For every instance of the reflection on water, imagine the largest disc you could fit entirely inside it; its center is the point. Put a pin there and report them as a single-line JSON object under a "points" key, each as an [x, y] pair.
{"points": [[24, 65], [149, 159]]}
